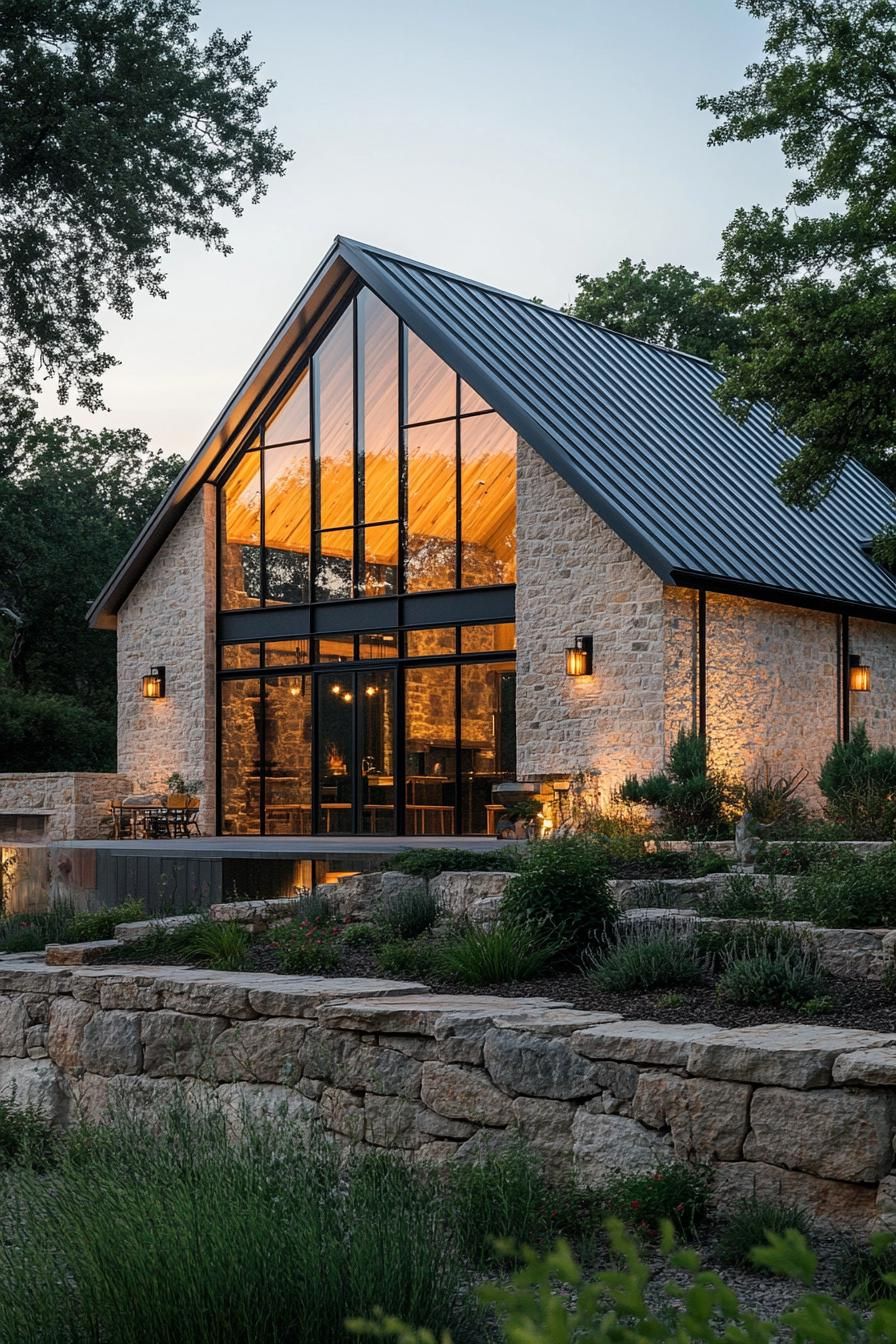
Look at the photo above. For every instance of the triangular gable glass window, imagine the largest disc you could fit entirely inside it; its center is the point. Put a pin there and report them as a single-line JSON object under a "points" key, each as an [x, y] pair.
{"points": [[363, 483]]}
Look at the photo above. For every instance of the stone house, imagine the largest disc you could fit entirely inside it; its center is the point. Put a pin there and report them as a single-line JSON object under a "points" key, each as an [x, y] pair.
{"points": [[442, 538]]}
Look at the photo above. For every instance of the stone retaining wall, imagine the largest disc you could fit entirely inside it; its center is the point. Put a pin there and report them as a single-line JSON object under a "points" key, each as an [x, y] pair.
{"points": [[805, 1114]]}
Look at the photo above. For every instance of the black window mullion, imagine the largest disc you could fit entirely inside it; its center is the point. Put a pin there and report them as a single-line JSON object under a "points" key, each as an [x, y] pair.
{"points": [[458, 530], [458, 818], [314, 418], [262, 554], [357, 458], [402, 456], [399, 753], [263, 756]]}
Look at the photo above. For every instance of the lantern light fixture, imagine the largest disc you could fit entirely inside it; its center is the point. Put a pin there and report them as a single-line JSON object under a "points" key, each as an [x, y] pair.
{"points": [[580, 658], [859, 674], [154, 684]]}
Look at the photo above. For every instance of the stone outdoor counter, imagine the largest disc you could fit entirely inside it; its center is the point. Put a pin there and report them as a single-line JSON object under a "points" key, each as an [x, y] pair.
{"points": [[805, 1114]]}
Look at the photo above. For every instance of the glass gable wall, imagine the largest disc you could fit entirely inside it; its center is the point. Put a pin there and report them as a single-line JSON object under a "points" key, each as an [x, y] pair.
{"points": [[379, 474]]}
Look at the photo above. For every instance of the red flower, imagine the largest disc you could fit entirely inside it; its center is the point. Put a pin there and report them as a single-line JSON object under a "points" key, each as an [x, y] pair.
{"points": [[636, 1204], [679, 1208]]}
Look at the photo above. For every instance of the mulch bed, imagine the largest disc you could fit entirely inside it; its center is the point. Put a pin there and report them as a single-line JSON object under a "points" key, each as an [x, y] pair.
{"points": [[855, 1003]]}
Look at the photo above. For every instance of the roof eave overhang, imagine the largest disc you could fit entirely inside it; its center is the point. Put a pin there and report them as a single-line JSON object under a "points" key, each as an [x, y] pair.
{"points": [[759, 592], [325, 291]]}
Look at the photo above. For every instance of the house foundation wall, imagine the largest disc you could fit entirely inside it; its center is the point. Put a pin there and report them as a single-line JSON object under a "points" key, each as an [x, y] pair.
{"points": [[168, 619]]}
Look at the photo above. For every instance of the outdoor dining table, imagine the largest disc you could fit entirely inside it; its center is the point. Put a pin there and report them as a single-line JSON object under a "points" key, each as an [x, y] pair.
{"points": [[153, 820]]}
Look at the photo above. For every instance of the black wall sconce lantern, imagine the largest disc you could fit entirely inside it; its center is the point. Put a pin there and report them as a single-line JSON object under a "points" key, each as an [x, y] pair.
{"points": [[580, 658], [859, 674], [154, 684]]}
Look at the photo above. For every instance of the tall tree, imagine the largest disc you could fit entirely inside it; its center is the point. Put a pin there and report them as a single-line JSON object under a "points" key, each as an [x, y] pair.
{"points": [[815, 278], [71, 502], [118, 132], [669, 306]]}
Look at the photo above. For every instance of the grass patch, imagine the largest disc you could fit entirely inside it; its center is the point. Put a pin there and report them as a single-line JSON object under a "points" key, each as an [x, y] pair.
{"points": [[495, 956], [173, 1234], [862, 1270], [749, 1224], [648, 954], [27, 1139], [31, 932]]}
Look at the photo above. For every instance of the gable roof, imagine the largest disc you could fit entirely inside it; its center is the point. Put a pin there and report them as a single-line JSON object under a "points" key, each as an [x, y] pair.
{"points": [[632, 427]]}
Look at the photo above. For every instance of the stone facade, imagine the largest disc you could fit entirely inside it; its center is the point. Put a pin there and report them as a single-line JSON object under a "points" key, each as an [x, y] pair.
{"points": [[575, 576], [57, 806], [795, 1112], [168, 619]]}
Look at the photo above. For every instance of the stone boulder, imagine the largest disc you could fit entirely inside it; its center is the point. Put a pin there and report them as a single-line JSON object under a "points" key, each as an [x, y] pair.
{"points": [[359, 897], [605, 1145], [474, 896]]}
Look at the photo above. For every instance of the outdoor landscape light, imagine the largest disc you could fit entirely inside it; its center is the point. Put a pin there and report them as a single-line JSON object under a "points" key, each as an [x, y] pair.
{"points": [[580, 657], [859, 674], [154, 684]]}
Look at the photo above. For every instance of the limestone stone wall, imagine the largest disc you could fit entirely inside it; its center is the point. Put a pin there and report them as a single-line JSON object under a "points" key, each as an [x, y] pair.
{"points": [[875, 643], [798, 1113], [169, 618], [57, 806], [576, 577]]}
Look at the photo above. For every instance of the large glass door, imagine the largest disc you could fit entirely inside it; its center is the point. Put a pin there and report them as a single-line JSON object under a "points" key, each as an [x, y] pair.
{"points": [[356, 752]]}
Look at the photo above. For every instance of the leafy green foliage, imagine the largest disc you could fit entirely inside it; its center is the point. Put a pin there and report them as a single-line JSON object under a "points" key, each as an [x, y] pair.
{"points": [[749, 1223], [119, 133], [90, 926], [303, 946], [847, 892], [427, 863], [669, 306], [719, 944], [859, 785], [27, 1139], [744, 897], [813, 279], [794, 858], [703, 861], [561, 890], [407, 957], [677, 1192], [407, 912], [646, 955], [495, 956], [71, 502], [693, 796], [360, 935]]}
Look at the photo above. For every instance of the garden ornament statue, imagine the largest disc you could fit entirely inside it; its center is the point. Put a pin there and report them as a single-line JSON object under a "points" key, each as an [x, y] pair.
{"points": [[747, 840]]}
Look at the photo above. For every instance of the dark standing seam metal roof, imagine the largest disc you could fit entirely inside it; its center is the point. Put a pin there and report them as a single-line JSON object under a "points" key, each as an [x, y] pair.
{"points": [[634, 430]]}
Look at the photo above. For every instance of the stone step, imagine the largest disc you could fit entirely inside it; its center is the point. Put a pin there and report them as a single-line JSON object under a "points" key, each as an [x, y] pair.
{"points": [[79, 954], [138, 929]]}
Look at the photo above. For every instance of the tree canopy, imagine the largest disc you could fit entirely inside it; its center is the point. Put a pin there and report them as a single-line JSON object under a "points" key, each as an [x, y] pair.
{"points": [[71, 502], [669, 306], [814, 276], [118, 132]]}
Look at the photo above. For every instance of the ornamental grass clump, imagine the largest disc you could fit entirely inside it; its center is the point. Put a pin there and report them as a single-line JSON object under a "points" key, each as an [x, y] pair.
{"points": [[562, 890], [176, 1233], [222, 945], [647, 954], [749, 1224], [787, 976], [505, 953], [406, 912]]}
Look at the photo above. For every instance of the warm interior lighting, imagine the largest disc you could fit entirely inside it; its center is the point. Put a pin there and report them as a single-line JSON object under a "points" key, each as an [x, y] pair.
{"points": [[579, 658], [859, 674], [371, 690], [154, 684]]}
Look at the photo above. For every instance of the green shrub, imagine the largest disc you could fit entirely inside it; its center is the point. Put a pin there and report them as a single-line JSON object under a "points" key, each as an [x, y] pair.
{"points": [[719, 944], [703, 861], [305, 948], [859, 785], [800, 856], [223, 945], [749, 1224], [677, 1192], [647, 955], [413, 958], [495, 956], [788, 977], [315, 907], [427, 863], [360, 935], [170, 1232], [562, 890], [99, 924], [40, 731], [551, 1301], [744, 897], [849, 893], [406, 913], [27, 1139], [692, 795], [30, 932], [862, 1270]]}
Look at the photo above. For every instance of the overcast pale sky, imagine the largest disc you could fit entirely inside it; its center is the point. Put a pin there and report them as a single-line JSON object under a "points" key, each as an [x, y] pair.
{"points": [[515, 141]]}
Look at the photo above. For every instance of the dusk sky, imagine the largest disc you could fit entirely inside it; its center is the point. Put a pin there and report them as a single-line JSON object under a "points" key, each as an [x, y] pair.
{"points": [[509, 140]]}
